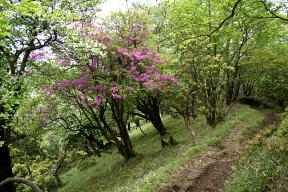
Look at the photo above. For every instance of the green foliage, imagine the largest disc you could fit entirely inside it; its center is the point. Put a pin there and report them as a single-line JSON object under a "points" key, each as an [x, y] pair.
{"points": [[152, 165], [86, 163], [265, 167], [271, 65], [40, 173], [247, 56], [253, 128]]}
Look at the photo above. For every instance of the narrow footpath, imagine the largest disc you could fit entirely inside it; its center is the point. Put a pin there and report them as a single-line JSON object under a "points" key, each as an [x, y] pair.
{"points": [[208, 171]]}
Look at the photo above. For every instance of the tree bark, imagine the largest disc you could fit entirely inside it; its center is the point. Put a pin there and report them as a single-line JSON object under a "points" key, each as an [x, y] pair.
{"points": [[5, 159], [150, 109], [125, 147], [157, 123], [6, 168], [188, 125]]}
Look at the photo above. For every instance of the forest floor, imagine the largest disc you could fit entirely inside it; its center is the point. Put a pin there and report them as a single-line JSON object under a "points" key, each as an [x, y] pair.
{"points": [[208, 171], [183, 167]]}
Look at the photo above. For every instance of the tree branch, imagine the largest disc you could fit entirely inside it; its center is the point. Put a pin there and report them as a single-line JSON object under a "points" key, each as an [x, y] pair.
{"points": [[227, 18], [272, 13]]}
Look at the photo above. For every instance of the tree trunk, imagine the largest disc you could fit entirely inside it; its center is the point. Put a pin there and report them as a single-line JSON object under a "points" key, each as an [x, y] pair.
{"points": [[6, 168], [127, 148], [188, 125], [158, 124], [5, 159], [229, 90], [150, 108], [128, 126], [11, 180]]}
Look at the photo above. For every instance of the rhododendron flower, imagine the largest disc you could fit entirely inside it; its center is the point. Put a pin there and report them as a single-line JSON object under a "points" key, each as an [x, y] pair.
{"points": [[114, 90], [98, 100], [37, 55], [130, 89], [117, 97], [64, 61], [99, 88]]}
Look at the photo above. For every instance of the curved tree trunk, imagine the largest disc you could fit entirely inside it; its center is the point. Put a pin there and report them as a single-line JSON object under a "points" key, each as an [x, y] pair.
{"points": [[11, 180], [150, 109], [157, 123]]}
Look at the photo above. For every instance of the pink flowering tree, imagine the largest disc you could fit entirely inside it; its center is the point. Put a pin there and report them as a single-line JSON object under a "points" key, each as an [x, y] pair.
{"points": [[144, 64], [112, 66]]}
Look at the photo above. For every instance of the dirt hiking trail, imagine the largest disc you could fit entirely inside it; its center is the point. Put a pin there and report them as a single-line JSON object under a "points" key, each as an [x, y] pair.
{"points": [[208, 171]]}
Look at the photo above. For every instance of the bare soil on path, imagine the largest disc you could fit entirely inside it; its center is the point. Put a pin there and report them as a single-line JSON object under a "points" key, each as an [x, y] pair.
{"points": [[208, 171]]}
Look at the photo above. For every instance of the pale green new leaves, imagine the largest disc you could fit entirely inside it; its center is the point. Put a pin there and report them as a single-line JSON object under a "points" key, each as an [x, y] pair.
{"points": [[4, 26]]}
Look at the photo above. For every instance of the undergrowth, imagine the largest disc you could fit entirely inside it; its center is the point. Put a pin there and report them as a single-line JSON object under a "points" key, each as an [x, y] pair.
{"points": [[265, 166], [153, 164]]}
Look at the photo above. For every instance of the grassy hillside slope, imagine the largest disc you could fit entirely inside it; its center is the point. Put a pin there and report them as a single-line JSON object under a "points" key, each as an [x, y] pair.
{"points": [[153, 165]]}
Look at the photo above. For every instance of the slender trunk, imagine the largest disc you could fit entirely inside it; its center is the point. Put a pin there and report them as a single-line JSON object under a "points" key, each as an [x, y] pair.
{"points": [[214, 108], [142, 131], [188, 125], [128, 126], [127, 149], [194, 106], [137, 123], [229, 90], [209, 16]]}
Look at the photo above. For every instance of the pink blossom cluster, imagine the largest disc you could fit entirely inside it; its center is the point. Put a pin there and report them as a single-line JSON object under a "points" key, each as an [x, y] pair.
{"points": [[37, 55], [79, 83], [101, 38], [96, 33], [116, 93], [137, 54], [143, 67], [64, 61], [140, 66]]}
